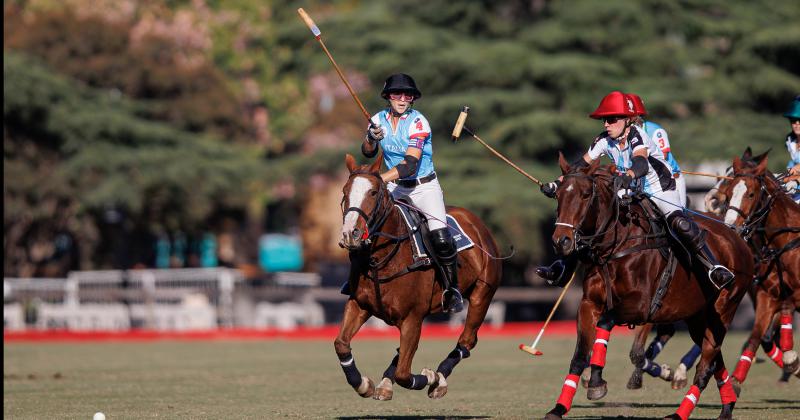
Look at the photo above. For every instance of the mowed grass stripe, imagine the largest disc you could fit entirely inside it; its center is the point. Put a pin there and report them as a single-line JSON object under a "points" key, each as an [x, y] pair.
{"points": [[302, 379]]}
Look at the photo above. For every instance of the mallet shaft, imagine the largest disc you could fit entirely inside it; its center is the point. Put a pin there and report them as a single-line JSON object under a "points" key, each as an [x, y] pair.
{"points": [[705, 174], [318, 35], [502, 157]]}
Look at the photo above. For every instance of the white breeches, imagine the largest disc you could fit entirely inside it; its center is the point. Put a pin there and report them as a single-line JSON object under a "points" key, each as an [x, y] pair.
{"points": [[428, 197]]}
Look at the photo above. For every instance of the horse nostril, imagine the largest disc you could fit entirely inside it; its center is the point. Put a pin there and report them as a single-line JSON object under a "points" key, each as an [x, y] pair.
{"points": [[564, 243], [356, 233]]}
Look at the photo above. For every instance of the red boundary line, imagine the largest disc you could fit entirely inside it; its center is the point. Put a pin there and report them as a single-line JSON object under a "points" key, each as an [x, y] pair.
{"points": [[329, 332]]}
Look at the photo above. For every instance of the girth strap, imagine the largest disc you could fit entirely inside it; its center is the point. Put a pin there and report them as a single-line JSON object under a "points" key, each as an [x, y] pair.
{"points": [[663, 285]]}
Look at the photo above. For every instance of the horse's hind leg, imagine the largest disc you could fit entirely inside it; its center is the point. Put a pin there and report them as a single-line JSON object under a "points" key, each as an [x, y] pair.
{"points": [[664, 333], [637, 356], [766, 306], [354, 318], [708, 333], [410, 330], [476, 312]]}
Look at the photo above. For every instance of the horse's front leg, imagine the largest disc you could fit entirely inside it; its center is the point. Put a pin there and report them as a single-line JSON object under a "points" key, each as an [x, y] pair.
{"points": [[598, 388], [588, 314], [791, 364], [385, 391], [766, 306], [410, 329], [354, 318], [637, 355]]}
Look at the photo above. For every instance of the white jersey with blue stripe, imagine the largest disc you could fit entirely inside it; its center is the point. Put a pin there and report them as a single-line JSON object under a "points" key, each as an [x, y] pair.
{"points": [[794, 150], [661, 139], [659, 174], [413, 130]]}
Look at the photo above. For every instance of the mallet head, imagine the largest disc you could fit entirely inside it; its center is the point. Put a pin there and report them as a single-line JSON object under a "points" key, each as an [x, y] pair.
{"points": [[462, 117], [532, 351]]}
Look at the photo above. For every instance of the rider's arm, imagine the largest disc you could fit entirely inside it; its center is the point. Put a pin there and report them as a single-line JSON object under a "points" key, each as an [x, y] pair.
{"points": [[639, 165], [406, 168]]}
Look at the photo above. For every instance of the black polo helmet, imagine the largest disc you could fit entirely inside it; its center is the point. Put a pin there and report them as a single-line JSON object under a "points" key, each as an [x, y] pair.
{"points": [[400, 82]]}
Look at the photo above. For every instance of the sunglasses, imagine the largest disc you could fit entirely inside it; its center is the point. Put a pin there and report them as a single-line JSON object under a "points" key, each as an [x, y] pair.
{"points": [[401, 97], [611, 120]]}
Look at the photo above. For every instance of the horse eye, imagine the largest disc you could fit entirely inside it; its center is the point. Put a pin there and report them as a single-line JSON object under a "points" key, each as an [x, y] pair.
{"points": [[751, 195], [373, 193]]}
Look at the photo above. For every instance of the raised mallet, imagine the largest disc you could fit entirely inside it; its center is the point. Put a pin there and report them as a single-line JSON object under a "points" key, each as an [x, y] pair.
{"points": [[318, 35], [459, 127], [532, 349]]}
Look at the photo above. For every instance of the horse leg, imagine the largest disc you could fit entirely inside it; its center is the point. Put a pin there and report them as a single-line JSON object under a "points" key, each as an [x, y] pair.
{"points": [[588, 314], [680, 377], [709, 337], [598, 388], [663, 333], [354, 318], [410, 329], [384, 390], [791, 364], [637, 355], [479, 302], [726, 392], [766, 306]]}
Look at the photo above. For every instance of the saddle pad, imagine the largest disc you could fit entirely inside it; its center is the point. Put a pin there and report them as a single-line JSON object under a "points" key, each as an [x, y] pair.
{"points": [[462, 240]]}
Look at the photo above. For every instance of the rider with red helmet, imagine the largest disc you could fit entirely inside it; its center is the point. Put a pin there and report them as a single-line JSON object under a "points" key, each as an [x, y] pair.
{"points": [[642, 165]]}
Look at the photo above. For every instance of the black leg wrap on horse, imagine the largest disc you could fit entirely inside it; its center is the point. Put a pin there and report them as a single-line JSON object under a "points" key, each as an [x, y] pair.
{"points": [[558, 410], [576, 367], [389, 372], [350, 370], [455, 356], [418, 382]]}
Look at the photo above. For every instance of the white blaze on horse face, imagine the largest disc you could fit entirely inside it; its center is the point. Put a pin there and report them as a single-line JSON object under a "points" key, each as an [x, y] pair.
{"points": [[358, 191], [569, 188], [736, 201]]}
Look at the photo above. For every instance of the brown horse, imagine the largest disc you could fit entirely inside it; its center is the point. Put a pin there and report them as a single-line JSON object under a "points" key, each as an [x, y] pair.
{"points": [[385, 284], [624, 266], [770, 222]]}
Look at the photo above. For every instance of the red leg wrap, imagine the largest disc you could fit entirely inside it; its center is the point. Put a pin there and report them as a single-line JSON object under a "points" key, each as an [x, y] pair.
{"points": [[688, 403], [786, 332], [726, 392], [568, 391], [600, 347], [745, 360], [776, 355]]}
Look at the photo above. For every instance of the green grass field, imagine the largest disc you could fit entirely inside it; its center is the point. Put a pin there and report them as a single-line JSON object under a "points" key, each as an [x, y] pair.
{"points": [[302, 379]]}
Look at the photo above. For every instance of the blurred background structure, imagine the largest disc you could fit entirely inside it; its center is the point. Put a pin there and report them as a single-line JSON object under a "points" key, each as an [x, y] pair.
{"points": [[178, 164]]}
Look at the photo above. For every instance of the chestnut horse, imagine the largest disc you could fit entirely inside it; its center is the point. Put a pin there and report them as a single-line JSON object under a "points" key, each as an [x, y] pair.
{"points": [[624, 266], [385, 284], [770, 222]]}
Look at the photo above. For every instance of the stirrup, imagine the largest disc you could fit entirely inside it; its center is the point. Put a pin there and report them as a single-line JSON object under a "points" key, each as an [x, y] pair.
{"points": [[727, 282], [557, 266], [452, 302]]}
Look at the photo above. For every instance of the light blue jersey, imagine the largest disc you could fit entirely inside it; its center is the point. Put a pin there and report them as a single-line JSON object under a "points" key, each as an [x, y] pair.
{"points": [[659, 136], [412, 130]]}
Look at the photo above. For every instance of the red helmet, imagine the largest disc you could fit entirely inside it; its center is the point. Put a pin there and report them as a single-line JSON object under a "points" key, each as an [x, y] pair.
{"points": [[638, 104], [614, 104]]}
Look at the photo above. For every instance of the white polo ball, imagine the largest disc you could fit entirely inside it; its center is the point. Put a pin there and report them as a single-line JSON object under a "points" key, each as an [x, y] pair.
{"points": [[99, 416]]}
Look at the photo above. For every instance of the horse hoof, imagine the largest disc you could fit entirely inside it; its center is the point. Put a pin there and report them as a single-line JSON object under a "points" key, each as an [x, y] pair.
{"points": [[737, 386], [438, 389], [666, 373], [367, 387], [384, 390], [635, 381], [597, 392], [679, 379], [551, 416], [727, 412], [585, 376], [791, 363], [672, 416]]}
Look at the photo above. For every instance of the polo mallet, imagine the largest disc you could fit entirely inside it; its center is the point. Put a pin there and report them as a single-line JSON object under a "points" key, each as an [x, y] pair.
{"points": [[461, 127], [532, 349], [705, 174], [318, 35]]}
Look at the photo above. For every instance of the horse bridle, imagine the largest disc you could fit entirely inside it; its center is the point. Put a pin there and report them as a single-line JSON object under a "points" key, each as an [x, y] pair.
{"points": [[374, 221], [757, 217], [582, 240]]}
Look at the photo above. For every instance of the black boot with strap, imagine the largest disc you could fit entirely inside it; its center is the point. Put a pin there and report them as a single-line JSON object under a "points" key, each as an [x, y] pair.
{"points": [[447, 255]]}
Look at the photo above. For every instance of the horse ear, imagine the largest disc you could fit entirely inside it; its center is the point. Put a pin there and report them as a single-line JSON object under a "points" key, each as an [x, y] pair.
{"points": [[761, 157], [748, 154], [762, 166], [350, 161], [593, 166], [375, 167], [737, 165], [563, 163]]}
